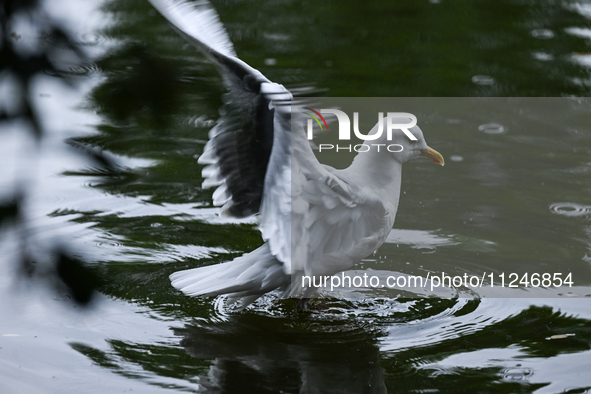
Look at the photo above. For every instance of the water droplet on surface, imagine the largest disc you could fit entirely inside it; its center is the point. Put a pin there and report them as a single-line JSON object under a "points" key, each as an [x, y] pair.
{"points": [[270, 61], [73, 70], [576, 390], [491, 128], [107, 244], [91, 38], [483, 80], [570, 209], [456, 158], [560, 336], [517, 374]]}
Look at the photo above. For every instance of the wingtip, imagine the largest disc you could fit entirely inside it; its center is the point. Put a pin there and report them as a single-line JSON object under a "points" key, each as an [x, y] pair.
{"points": [[199, 22]]}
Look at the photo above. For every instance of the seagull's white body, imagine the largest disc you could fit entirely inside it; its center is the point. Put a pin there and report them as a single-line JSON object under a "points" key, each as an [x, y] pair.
{"points": [[315, 220]]}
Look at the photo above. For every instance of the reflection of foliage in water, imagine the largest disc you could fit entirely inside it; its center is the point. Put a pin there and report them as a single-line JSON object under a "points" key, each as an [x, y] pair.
{"points": [[528, 331], [328, 354]]}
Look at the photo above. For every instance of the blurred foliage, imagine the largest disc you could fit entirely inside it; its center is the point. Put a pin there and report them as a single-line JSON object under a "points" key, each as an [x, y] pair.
{"points": [[23, 65], [20, 65]]}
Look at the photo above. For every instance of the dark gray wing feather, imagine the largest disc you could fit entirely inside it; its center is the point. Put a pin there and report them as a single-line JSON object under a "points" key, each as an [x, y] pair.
{"points": [[241, 143]]}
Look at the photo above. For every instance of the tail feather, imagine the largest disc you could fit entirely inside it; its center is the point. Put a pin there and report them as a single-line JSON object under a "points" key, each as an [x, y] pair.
{"points": [[247, 277]]}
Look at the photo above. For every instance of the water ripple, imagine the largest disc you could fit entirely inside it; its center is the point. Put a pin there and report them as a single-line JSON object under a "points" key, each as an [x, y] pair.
{"points": [[107, 244], [81, 39], [577, 390], [491, 128], [517, 374], [570, 209], [74, 70]]}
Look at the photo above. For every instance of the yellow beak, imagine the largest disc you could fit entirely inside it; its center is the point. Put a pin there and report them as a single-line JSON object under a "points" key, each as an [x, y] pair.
{"points": [[433, 155]]}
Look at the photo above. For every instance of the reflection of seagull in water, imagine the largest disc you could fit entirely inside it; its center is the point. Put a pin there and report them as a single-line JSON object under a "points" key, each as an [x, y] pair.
{"points": [[344, 359], [336, 217]]}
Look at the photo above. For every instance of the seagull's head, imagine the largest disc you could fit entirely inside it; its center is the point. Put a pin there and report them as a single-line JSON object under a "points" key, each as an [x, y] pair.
{"points": [[408, 149], [413, 149]]}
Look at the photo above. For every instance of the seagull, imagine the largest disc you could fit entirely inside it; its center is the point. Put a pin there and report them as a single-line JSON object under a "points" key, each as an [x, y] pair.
{"points": [[315, 220]]}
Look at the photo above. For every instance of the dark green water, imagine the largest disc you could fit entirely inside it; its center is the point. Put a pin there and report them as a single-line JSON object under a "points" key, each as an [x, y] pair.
{"points": [[514, 202]]}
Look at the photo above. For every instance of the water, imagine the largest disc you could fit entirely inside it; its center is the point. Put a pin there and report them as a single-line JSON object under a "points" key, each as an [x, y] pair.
{"points": [[515, 200]]}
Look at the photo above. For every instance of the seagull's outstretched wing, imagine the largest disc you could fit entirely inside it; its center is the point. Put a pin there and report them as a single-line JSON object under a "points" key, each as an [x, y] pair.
{"points": [[240, 144], [259, 166], [248, 152]]}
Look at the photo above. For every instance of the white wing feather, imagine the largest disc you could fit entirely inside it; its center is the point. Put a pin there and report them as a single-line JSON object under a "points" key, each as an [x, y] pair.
{"points": [[199, 21], [332, 223]]}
